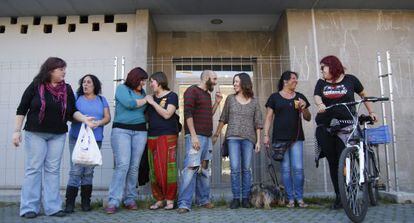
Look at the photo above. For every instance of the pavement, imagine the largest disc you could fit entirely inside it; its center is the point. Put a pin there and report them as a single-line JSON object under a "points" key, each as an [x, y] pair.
{"points": [[9, 213]]}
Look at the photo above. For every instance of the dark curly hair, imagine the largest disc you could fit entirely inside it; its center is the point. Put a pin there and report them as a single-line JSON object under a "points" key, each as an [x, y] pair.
{"points": [[96, 85]]}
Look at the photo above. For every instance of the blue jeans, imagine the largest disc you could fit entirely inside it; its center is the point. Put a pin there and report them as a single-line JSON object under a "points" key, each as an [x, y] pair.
{"points": [[193, 177], [240, 154], [43, 154], [292, 171], [79, 174], [127, 146]]}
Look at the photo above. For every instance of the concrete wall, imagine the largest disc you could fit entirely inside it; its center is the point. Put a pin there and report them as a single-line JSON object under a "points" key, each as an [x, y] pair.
{"points": [[355, 36], [85, 52]]}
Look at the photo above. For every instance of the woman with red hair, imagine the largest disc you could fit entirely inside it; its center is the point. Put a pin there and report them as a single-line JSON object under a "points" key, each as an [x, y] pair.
{"points": [[335, 87], [128, 139]]}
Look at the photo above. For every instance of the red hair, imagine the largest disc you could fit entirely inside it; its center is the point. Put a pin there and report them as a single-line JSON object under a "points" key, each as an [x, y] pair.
{"points": [[335, 66], [135, 76]]}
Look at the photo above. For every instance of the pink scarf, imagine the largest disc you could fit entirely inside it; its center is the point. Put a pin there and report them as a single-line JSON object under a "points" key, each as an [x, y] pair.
{"points": [[59, 96]]}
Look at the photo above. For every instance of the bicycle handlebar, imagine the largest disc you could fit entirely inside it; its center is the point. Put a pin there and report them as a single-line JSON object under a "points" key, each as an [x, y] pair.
{"points": [[365, 99]]}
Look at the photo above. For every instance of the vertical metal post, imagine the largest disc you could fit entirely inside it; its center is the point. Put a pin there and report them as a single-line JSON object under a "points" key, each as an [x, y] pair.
{"points": [[394, 137], [123, 70], [115, 76], [384, 117]]}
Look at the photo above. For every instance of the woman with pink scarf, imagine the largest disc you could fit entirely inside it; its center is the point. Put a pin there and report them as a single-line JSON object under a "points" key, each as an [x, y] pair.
{"points": [[48, 103]]}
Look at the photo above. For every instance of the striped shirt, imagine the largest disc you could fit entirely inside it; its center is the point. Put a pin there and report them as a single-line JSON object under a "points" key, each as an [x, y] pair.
{"points": [[197, 105]]}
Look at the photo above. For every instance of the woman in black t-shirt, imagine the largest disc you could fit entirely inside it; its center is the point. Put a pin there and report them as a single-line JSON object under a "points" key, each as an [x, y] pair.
{"points": [[47, 103], [162, 141], [335, 87], [286, 109]]}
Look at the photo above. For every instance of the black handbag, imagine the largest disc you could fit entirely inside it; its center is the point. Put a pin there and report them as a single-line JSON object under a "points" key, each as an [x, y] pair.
{"points": [[224, 149], [179, 125], [279, 149]]}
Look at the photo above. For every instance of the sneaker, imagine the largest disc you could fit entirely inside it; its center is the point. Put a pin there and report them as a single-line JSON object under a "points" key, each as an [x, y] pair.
{"points": [[182, 210], [59, 214], [208, 206], [235, 203], [246, 203], [131, 206], [30, 214], [110, 210]]}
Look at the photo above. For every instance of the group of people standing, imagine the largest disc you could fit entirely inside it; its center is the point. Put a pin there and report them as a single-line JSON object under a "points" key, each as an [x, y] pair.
{"points": [[142, 119]]}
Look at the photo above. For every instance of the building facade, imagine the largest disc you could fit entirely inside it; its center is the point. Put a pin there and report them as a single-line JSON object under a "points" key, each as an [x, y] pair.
{"points": [[183, 40]]}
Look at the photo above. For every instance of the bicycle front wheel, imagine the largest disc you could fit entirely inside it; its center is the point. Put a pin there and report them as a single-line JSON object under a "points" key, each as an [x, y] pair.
{"points": [[354, 196]]}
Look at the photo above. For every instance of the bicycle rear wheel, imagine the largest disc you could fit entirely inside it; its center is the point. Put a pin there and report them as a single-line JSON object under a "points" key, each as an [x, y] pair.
{"points": [[372, 180], [354, 197]]}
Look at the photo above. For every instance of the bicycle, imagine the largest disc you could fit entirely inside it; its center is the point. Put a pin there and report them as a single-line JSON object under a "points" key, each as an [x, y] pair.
{"points": [[358, 157]]}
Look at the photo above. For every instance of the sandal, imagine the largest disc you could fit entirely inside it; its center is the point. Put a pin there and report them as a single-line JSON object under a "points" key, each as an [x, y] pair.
{"points": [[157, 205], [302, 204], [169, 206], [291, 204]]}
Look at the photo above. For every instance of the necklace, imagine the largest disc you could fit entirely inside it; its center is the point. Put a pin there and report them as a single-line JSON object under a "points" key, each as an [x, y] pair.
{"points": [[288, 95]]}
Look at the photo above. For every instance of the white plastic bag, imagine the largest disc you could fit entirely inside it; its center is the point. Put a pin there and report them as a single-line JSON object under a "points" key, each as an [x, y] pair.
{"points": [[86, 151]]}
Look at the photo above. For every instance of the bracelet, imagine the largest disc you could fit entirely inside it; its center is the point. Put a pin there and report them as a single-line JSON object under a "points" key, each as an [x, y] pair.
{"points": [[17, 130], [371, 112]]}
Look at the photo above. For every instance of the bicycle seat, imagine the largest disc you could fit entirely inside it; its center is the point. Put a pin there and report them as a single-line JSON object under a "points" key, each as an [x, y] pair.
{"points": [[362, 119]]}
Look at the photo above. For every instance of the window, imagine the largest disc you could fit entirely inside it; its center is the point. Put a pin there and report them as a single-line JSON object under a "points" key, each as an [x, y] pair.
{"points": [[47, 28], [95, 27], [62, 20], [23, 29], [71, 28], [36, 21], [121, 27], [13, 20], [83, 19], [109, 19]]}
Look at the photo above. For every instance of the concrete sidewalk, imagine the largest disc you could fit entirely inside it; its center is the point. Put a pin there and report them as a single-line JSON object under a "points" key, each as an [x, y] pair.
{"points": [[318, 214]]}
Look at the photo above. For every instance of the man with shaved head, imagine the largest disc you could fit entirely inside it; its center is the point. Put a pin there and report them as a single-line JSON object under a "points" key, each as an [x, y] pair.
{"points": [[198, 115]]}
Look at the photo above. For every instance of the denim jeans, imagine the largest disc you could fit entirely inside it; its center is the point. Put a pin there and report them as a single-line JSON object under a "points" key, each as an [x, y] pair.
{"points": [[127, 146], [43, 154], [240, 154], [79, 174], [292, 171], [197, 178]]}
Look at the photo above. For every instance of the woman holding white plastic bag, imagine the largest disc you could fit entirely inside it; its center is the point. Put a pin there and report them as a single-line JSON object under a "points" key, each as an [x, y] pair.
{"points": [[47, 103], [91, 103]]}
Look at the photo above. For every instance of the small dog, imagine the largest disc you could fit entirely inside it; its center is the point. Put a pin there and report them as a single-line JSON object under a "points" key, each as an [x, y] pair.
{"points": [[264, 196]]}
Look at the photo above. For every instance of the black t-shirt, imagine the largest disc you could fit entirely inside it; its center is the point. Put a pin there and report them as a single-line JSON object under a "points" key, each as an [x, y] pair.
{"points": [[287, 122], [157, 124], [337, 93], [53, 122]]}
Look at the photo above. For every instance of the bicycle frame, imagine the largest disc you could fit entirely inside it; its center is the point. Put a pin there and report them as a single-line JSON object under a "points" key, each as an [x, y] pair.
{"points": [[361, 135], [359, 146]]}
